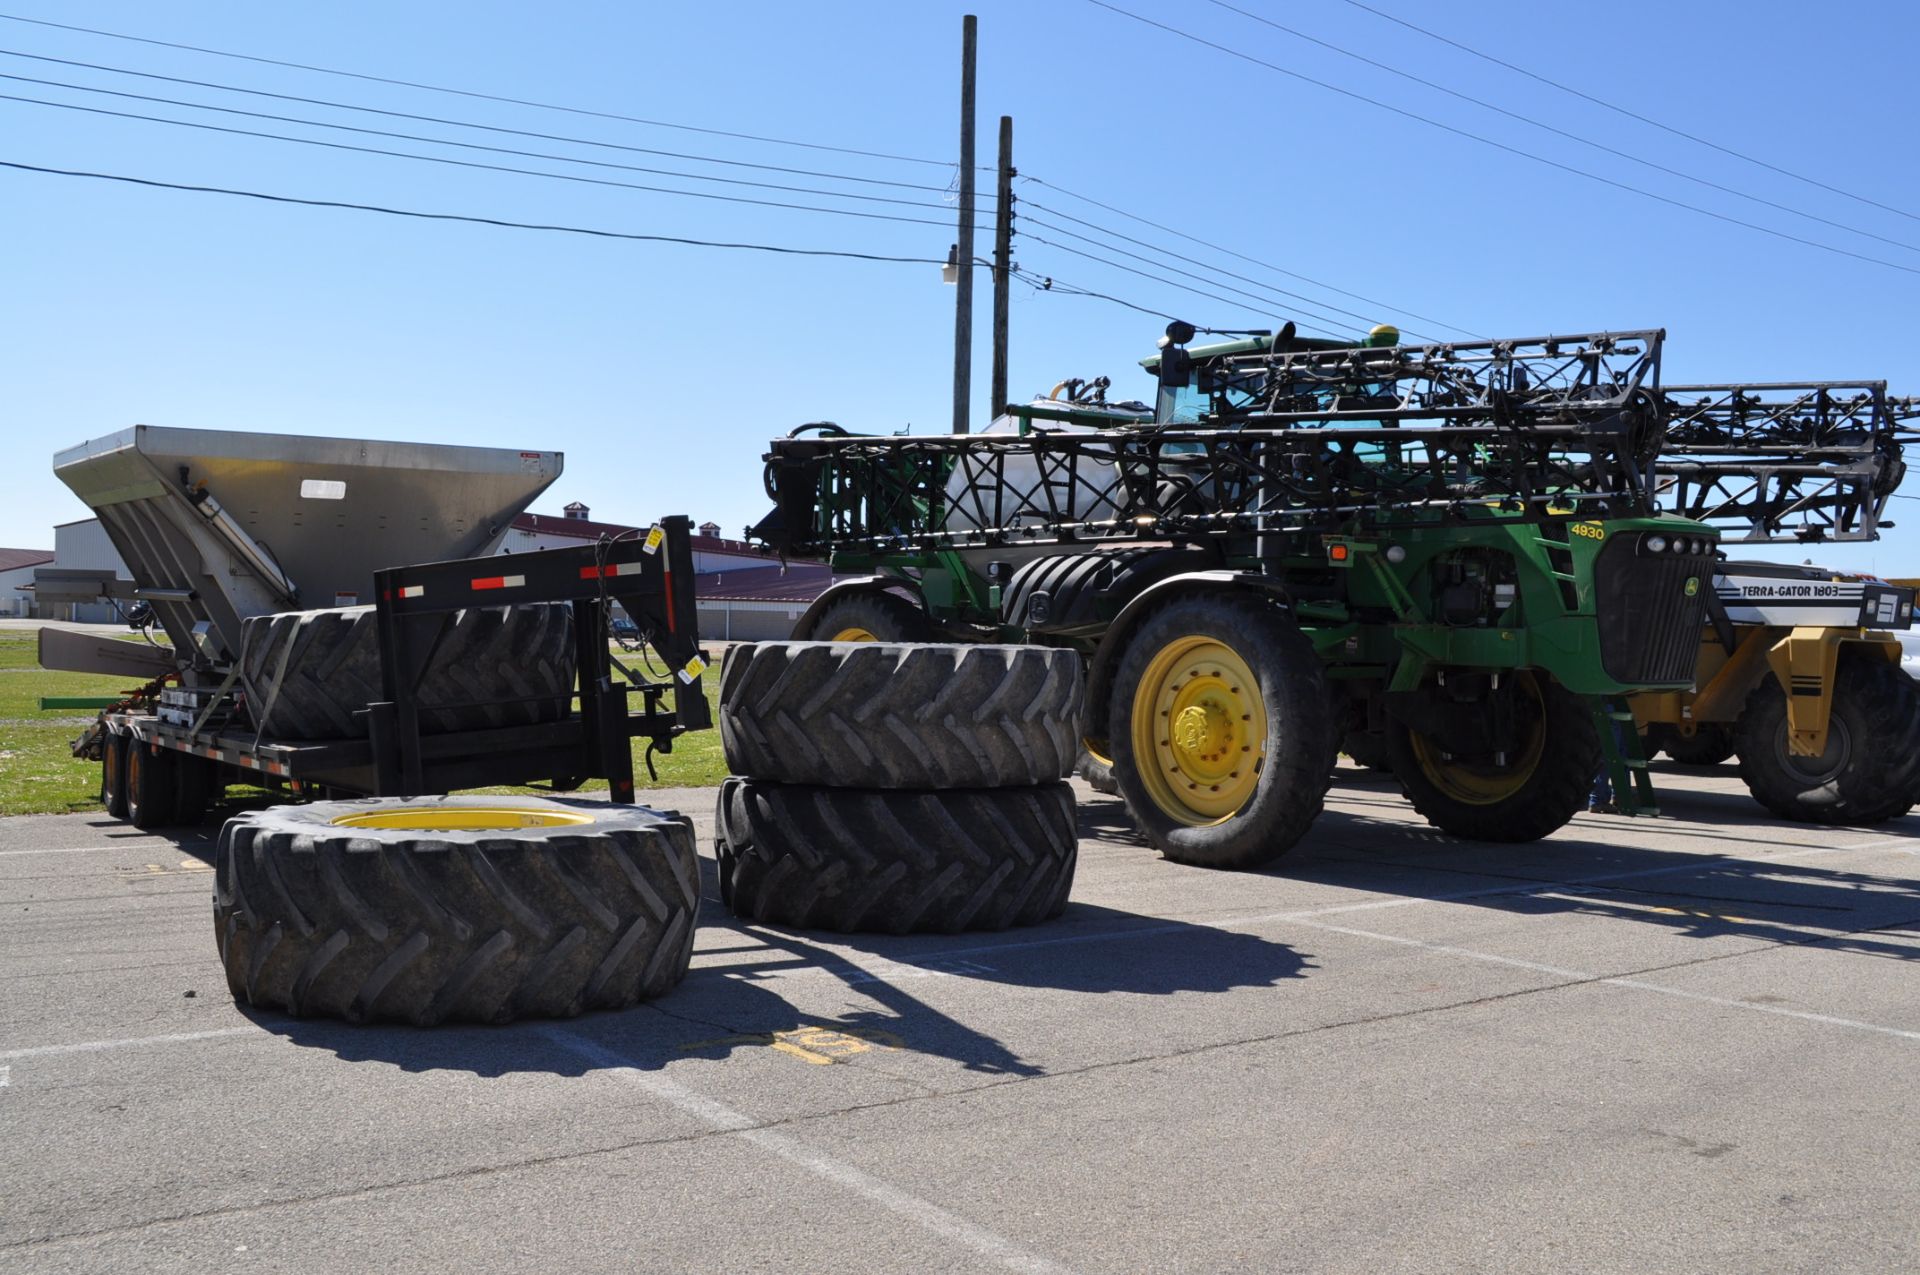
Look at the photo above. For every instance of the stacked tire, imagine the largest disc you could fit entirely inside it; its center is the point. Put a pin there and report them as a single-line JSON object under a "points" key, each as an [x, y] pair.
{"points": [[898, 787]]}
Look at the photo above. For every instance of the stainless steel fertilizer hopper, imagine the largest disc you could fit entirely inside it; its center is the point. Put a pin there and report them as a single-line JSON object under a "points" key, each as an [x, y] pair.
{"points": [[217, 526]]}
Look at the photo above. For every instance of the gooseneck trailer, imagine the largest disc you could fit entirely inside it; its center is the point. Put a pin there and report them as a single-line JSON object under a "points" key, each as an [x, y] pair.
{"points": [[339, 620]]}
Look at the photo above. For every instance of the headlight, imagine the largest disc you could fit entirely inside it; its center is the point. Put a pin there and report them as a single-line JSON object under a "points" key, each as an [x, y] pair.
{"points": [[1656, 544]]}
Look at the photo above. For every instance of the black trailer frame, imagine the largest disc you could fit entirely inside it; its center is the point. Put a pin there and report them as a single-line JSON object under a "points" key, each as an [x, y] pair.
{"points": [[650, 576]]}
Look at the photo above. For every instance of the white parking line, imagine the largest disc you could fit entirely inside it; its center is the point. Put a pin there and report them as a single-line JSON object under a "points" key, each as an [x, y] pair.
{"points": [[130, 844], [942, 1222], [133, 1042], [1581, 976]]}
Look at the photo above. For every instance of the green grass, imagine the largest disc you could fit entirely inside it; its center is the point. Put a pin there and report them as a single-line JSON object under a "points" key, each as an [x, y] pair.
{"points": [[38, 774]]}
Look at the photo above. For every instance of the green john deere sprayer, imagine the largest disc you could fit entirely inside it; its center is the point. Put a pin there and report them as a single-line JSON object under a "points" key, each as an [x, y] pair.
{"points": [[1453, 546]]}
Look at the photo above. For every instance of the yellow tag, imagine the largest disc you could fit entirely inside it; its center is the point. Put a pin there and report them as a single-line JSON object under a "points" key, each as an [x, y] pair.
{"points": [[695, 667], [655, 537]]}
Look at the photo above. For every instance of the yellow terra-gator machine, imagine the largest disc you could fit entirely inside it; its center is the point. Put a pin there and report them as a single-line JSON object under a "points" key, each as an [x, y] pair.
{"points": [[1799, 673]]}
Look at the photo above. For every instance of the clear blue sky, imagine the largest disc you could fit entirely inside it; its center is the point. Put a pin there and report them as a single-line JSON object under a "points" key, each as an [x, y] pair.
{"points": [[661, 371]]}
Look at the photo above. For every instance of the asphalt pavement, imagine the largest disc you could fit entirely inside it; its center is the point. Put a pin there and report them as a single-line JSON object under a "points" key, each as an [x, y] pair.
{"points": [[1684, 1044]]}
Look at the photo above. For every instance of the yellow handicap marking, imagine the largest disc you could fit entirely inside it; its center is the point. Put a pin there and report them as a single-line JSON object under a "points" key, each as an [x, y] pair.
{"points": [[1700, 915], [811, 1044], [155, 870]]}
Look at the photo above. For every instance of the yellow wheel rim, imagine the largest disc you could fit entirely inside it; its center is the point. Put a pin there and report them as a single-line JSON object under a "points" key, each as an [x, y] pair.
{"points": [[1484, 783], [461, 819], [854, 633], [1199, 729]]}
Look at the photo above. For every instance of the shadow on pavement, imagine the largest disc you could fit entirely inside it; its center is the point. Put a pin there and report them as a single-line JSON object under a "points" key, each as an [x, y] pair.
{"points": [[744, 1003], [1725, 883]]}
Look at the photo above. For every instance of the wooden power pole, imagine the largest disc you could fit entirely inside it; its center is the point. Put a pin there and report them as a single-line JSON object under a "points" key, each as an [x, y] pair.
{"points": [[1002, 265], [963, 253]]}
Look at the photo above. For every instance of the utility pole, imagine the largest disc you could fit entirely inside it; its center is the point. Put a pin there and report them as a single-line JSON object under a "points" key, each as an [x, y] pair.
{"points": [[1002, 265], [963, 255]]}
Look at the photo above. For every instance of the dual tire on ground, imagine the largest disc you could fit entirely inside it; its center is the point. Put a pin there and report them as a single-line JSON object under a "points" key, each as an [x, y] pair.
{"points": [[897, 787]]}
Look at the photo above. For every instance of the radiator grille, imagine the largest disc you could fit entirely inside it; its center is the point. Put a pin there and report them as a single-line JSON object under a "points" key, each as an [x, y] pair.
{"points": [[1650, 620]]}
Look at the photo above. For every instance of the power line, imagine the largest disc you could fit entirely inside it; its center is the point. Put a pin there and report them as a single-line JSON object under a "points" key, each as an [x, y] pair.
{"points": [[1561, 132], [1199, 292], [1259, 297], [473, 220], [467, 163], [1633, 115], [1502, 146], [485, 97], [442, 141], [453, 123], [1114, 234], [1060, 287], [1264, 265], [1056, 286]]}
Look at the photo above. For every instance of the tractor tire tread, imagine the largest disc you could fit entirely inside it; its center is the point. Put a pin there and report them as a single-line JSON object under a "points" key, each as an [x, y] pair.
{"points": [[428, 927], [892, 861], [900, 715]]}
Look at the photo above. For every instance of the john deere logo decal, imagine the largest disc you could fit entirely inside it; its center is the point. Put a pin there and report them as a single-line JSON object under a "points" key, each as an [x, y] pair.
{"points": [[1693, 585]]}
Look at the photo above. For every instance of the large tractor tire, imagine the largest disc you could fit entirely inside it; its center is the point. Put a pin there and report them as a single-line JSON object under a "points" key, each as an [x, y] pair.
{"points": [[1534, 791], [1710, 744], [895, 862], [1220, 732], [868, 617], [308, 673], [440, 909], [892, 715], [1871, 767], [1077, 594]]}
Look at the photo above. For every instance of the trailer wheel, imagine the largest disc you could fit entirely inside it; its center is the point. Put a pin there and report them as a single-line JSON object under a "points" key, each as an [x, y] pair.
{"points": [[309, 674], [869, 617], [439, 909], [193, 781], [1530, 794], [900, 715], [1871, 765], [1219, 729], [1710, 744], [113, 773], [895, 862], [150, 785]]}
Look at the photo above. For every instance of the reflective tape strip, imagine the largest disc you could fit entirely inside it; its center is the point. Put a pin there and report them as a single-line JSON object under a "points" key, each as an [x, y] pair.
{"points": [[500, 582], [613, 569], [413, 591]]}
